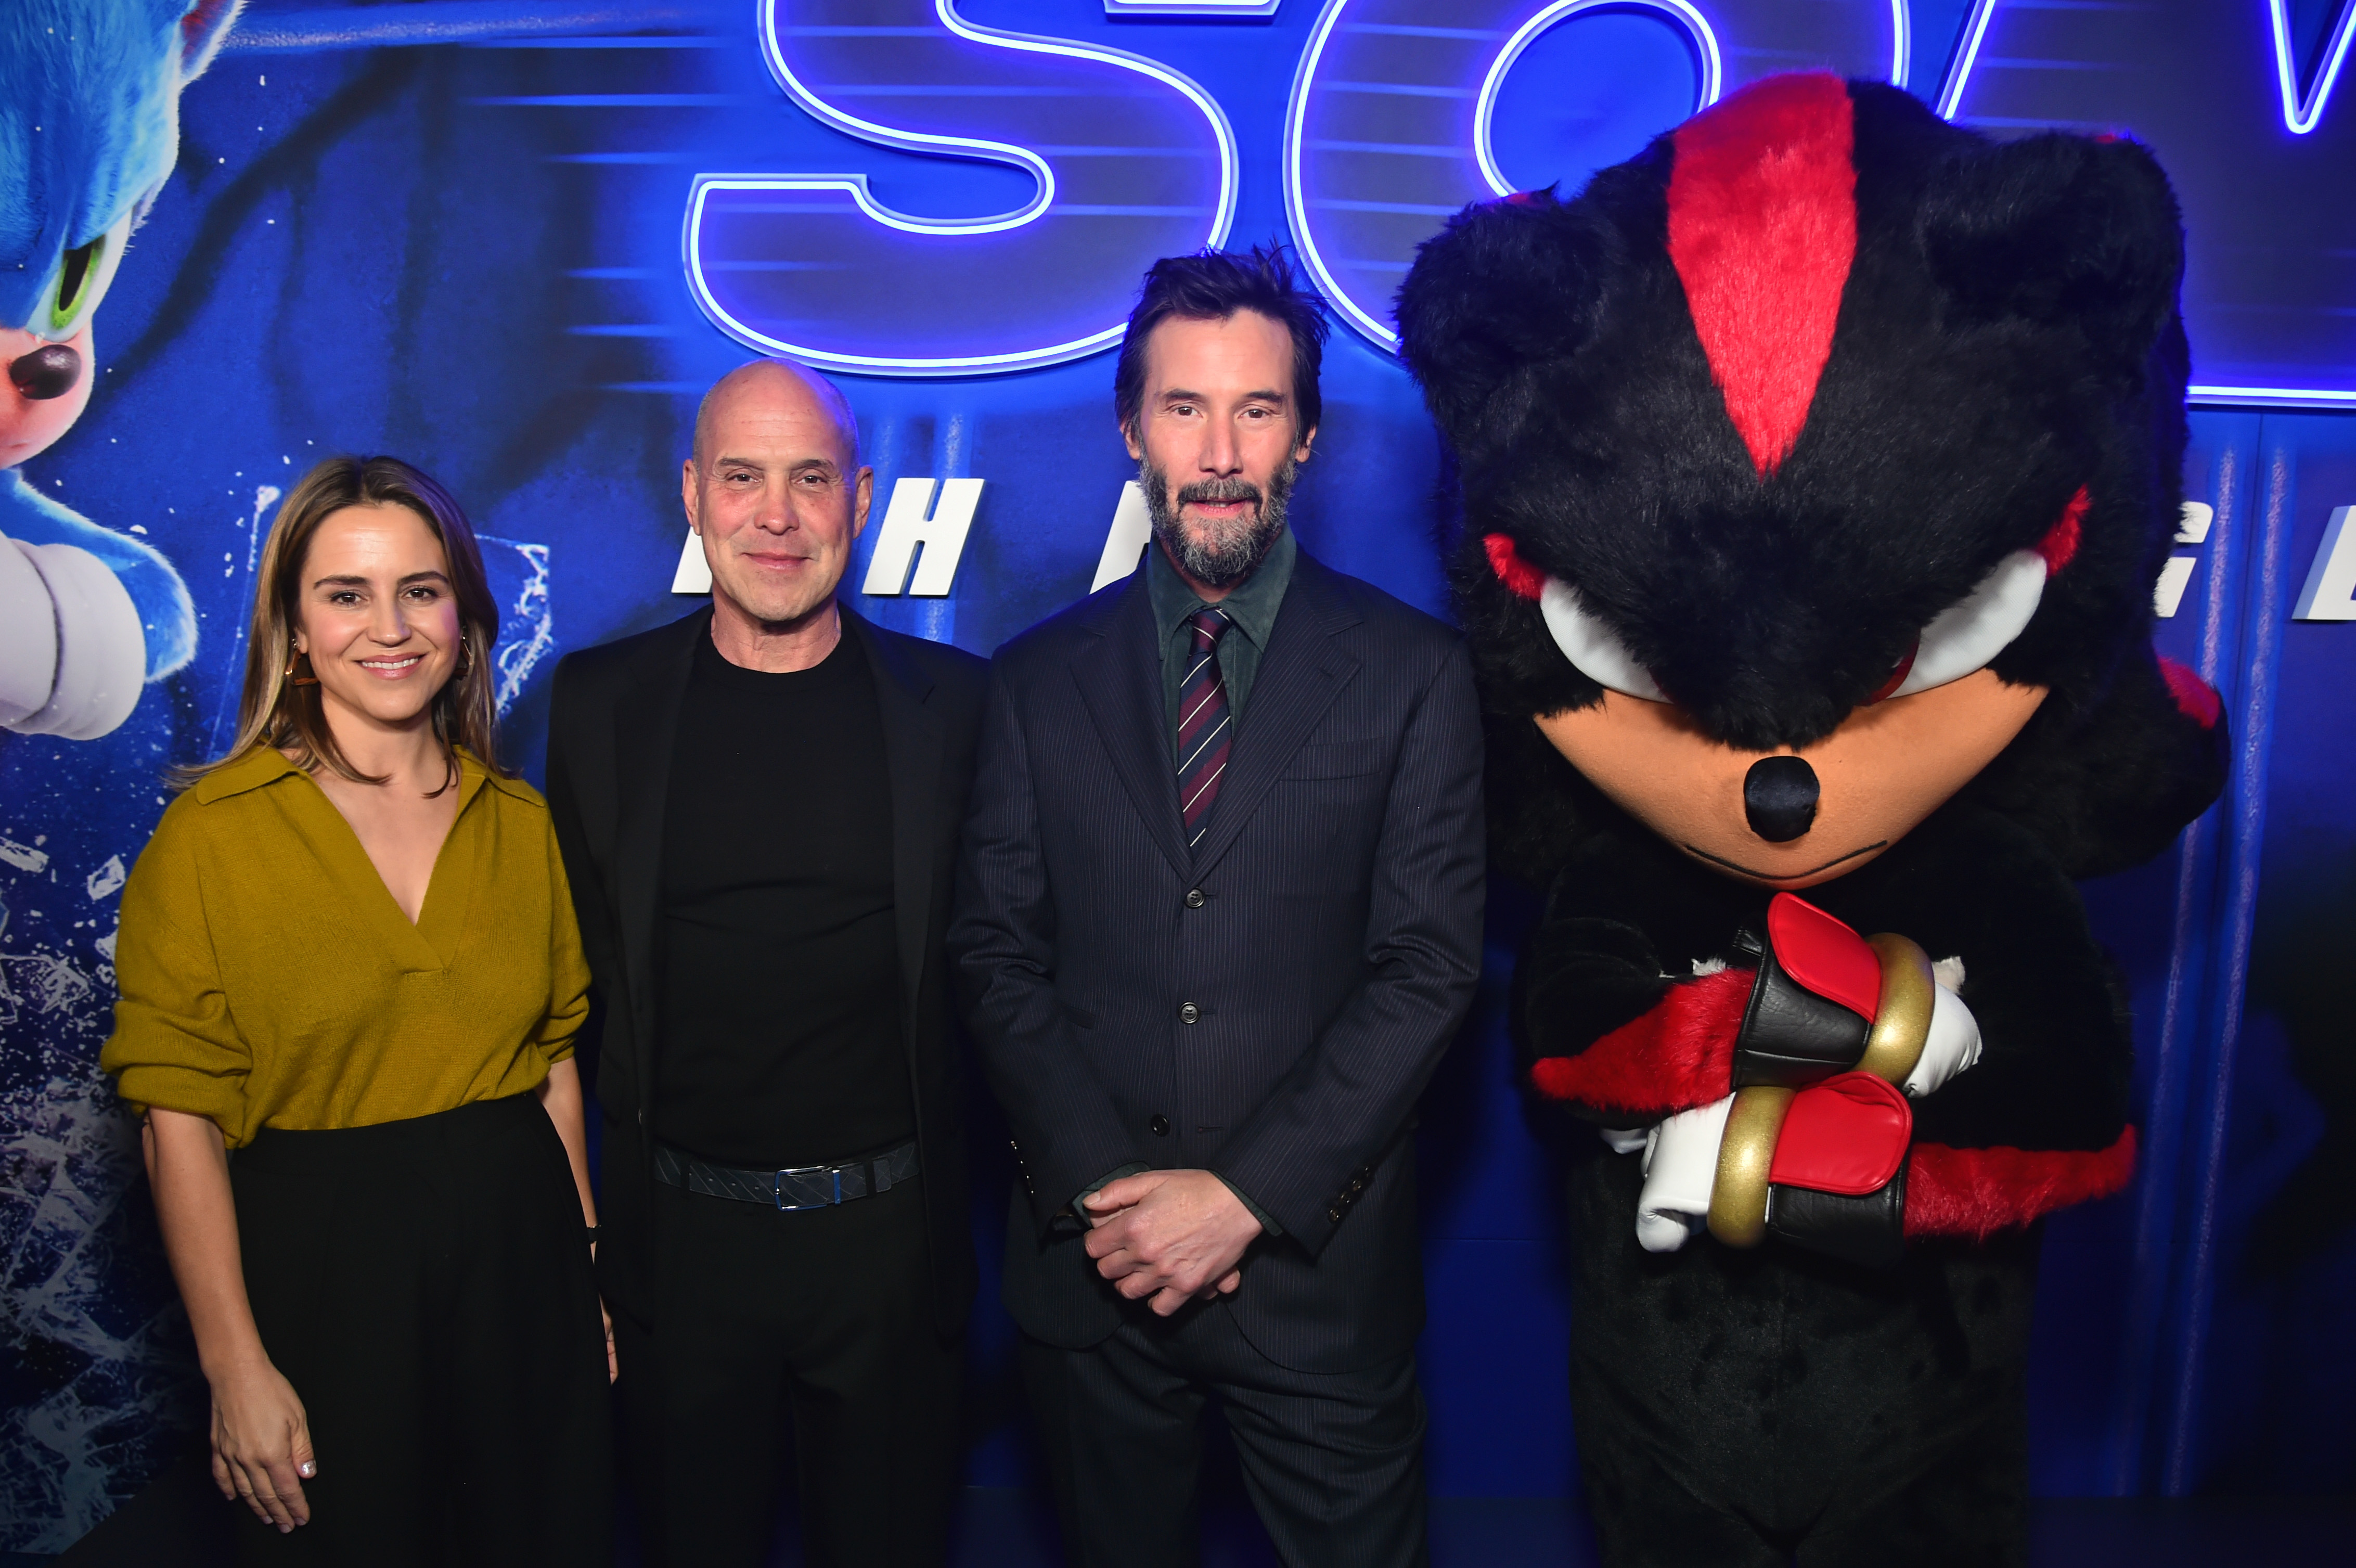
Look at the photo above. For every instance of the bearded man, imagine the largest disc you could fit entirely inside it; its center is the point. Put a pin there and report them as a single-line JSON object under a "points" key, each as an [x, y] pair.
{"points": [[1218, 916]]}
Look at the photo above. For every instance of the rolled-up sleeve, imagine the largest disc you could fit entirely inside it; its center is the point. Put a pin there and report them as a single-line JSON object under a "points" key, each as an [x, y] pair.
{"points": [[174, 1042], [568, 967]]}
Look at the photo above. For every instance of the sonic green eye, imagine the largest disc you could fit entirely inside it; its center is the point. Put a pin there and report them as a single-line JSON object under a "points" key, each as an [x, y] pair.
{"points": [[84, 274], [75, 273]]}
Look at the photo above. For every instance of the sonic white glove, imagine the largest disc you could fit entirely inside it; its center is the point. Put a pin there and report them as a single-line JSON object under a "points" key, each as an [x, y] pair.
{"points": [[73, 653]]}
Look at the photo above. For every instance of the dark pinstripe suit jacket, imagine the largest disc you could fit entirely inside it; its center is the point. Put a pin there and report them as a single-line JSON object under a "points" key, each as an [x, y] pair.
{"points": [[1329, 958]]}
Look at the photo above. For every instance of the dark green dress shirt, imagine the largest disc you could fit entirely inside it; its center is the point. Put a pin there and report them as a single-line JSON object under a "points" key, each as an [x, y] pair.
{"points": [[1252, 606]]}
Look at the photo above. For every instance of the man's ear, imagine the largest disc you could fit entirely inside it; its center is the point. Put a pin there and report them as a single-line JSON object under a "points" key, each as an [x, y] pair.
{"points": [[1300, 449], [863, 489], [1129, 437], [2062, 230], [687, 494], [203, 26]]}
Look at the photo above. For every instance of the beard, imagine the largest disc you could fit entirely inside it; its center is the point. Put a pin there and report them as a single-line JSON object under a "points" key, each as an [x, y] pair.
{"points": [[1222, 552]]}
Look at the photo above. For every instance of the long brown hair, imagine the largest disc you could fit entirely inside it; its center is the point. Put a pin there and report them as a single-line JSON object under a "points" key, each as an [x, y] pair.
{"points": [[277, 709]]}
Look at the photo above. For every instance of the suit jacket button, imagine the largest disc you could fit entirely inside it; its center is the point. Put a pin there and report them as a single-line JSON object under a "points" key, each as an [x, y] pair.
{"points": [[1188, 1013], [1357, 1185], [1335, 1215], [1160, 1126], [1194, 900]]}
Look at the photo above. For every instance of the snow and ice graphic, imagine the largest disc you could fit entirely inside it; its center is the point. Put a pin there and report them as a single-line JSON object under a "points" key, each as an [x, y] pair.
{"points": [[519, 578], [101, 1384], [107, 879]]}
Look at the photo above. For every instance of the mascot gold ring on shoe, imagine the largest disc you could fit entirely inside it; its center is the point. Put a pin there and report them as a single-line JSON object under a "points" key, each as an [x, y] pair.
{"points": [[1814, 469]]}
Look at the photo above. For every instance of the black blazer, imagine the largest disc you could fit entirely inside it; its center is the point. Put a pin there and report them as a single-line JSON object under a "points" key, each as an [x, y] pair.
{"points": [[612, 725], [1327, 932]]}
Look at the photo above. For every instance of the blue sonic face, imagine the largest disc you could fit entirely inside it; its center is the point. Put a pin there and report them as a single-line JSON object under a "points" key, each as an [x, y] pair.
{"points": [[90, 127], [89, 94]]}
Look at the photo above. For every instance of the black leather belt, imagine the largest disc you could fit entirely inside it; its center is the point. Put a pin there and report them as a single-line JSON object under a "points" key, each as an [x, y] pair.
{"points": [[804, 1186]]}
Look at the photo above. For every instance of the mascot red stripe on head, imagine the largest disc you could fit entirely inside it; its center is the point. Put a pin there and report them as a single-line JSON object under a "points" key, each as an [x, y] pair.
{"points": [[1816, 468], [1762, 227]]}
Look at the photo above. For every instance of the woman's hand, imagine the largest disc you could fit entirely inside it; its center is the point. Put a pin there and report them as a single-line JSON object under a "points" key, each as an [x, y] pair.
{"points": [[560, 1096], [262, 1439], [262, 1443], [606, 1317]]}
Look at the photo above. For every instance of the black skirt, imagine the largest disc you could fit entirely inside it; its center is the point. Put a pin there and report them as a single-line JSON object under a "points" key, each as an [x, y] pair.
{"points": [[425, 1288]]}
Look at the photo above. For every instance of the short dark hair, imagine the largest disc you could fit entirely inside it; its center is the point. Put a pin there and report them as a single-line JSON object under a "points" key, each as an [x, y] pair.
{"points": [[1211, 285]]}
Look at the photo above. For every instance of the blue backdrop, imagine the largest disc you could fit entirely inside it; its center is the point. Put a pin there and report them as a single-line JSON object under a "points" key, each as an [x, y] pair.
{"points": [[513, 243]]}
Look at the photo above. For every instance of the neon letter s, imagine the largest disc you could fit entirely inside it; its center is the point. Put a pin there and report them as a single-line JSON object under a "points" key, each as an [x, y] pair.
{"points": [[1133, 162]]}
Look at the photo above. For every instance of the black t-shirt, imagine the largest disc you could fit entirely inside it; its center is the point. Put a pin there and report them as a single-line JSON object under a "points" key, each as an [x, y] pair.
{"points": [[781, 1007]]}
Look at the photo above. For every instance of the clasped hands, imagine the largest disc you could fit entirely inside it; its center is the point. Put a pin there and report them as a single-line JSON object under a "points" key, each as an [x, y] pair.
{"points": [[1167, 1238]]}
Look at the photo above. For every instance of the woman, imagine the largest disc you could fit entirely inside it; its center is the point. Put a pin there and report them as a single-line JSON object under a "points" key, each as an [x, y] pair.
{"points": [[348, 955]]}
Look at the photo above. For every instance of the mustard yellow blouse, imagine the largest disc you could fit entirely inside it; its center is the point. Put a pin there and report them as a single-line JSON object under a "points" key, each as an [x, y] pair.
{"points": [[269, 979]]}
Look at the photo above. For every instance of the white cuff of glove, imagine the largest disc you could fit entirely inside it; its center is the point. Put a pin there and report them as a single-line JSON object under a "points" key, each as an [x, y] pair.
{"points": [[1680, 1169], [1953, 1044], [95, 656], [28, 637]]}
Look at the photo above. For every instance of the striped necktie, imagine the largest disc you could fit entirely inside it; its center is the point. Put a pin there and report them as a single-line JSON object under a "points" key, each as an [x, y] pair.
{"points": [[1205, 732]]}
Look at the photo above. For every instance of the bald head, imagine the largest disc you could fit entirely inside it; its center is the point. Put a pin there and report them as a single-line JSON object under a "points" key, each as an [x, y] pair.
{"points": [[777, 492], [781, 385]]}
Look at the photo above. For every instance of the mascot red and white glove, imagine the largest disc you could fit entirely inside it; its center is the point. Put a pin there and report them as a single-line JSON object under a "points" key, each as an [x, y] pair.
{"points": [[1839, 1033]]}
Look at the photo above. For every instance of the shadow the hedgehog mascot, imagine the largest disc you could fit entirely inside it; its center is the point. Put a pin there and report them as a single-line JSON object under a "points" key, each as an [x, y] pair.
{"points": [[1815, 469]]}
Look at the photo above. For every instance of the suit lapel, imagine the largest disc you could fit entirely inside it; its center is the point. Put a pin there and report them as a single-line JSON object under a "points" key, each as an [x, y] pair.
{"points": [[646, 721], [1122, 689], [913, 747], [1302, 673]]}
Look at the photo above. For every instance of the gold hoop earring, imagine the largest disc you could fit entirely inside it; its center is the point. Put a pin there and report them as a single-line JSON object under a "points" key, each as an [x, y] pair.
{"points": [[293, 657], [466, 657]]}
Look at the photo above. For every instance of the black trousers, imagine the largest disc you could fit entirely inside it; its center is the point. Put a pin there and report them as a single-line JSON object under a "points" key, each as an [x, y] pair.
{"points": [[425, 1288], [813, 1323], [1753, 1409], [1333, 1462]]}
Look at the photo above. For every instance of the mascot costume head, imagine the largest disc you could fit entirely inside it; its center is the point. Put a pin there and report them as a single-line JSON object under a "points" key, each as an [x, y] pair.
{"points": [[1815, 470]]}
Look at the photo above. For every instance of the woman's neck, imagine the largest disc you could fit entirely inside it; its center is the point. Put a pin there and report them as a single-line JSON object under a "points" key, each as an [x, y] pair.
{"points": [[408, 754]]}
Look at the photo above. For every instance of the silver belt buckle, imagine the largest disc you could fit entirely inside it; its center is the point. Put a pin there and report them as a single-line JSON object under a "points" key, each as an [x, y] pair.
{"points": [[777, 1186]]}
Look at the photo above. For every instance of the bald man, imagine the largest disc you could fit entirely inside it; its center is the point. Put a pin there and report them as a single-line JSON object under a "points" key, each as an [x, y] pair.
{"points": [[758, 807]]}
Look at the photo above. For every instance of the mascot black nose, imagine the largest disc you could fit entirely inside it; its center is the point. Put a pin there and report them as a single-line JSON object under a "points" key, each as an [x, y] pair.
{"points": [[1779, 796], [48, 372]]}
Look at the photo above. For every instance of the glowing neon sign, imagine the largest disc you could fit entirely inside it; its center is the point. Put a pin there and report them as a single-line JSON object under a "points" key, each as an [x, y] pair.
{"points": [[1967, 54], [1396, 116], [1484, 107], [1190, 8], [815, 266], [1390, 126], [2302, 111]]}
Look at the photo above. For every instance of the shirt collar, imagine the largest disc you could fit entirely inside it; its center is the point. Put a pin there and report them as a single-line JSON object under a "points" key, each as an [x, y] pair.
{"points": [[267, 765], [1252, 606]]}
